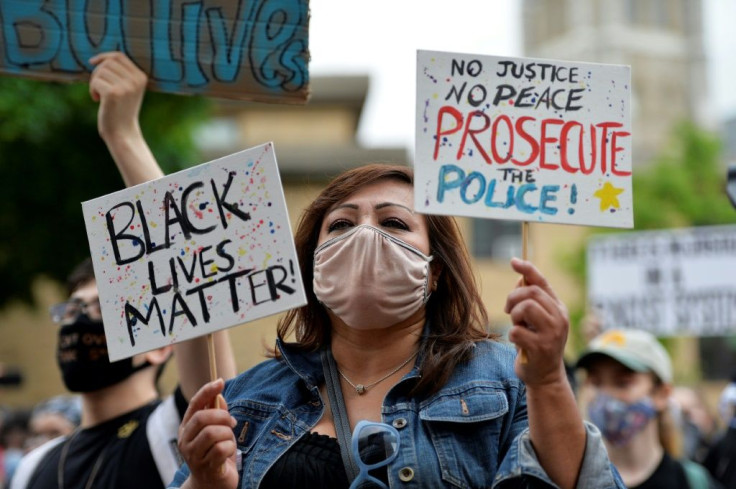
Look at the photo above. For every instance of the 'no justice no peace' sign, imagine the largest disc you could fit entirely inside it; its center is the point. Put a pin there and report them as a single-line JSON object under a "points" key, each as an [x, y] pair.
{"points": [[523, 139]]}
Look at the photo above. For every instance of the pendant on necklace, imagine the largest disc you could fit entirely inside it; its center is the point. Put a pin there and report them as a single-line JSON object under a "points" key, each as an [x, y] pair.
{"points": [[360, 389]]}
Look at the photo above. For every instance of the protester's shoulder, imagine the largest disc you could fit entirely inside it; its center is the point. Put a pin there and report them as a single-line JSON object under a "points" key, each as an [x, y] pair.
{"points": [[274, 373], [496, 354], [491, 362], [29, 463]]}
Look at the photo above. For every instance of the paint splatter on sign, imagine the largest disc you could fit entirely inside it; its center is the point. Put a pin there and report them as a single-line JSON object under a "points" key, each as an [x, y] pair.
{"points": [[523, 139], [191, 253]]}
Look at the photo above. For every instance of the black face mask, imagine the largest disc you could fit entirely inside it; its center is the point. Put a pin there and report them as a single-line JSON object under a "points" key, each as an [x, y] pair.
{"points": [[81, 353]]}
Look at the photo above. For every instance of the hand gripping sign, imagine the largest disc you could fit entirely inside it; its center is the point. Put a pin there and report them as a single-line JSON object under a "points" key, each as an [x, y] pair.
{"points": [[194, 252], [244, 49], [523, 139]]}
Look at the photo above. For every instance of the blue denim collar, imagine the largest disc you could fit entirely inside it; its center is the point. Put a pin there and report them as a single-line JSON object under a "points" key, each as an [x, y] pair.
{"points": [[308, 367]]}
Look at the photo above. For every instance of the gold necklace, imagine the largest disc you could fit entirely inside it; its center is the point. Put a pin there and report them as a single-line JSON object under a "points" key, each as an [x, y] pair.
{"points": [[361, 388]]}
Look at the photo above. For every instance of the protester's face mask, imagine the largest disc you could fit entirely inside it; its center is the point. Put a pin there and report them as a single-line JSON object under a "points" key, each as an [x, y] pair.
{"points": [[620, 421], [82, 357], [370, 279]]}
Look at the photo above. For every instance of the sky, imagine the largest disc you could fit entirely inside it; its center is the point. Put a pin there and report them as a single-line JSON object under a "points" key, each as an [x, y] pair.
{"points": [[381, 37]]}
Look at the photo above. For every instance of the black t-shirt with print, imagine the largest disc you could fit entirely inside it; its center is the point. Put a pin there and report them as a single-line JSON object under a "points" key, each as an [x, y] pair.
{"points": [[113, 455]]}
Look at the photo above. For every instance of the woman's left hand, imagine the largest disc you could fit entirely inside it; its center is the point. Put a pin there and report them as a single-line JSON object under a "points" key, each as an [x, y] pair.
{"points": [[540, 326]]}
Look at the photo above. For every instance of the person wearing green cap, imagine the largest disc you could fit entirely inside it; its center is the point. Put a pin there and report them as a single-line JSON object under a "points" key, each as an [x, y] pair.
{"points": [[630, 376]]}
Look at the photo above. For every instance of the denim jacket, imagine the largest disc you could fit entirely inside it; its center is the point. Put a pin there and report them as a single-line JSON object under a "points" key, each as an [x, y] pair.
{"points": [[471, 433]]}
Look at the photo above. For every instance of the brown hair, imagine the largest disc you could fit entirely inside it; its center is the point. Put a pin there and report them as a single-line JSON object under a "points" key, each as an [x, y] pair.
{"points": [[456, 314], [81, 275]]}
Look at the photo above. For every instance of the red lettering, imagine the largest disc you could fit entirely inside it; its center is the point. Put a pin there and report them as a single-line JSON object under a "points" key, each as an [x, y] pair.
{"points": [[538, 135], [494, 138], [474, 135], [615, 149], [563, 145], [544, 140], [440, 117], [529, 139], [604, 142], [593, 147]]}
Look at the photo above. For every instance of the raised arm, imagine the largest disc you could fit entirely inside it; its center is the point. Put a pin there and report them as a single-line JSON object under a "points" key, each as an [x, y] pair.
{"points": [[119, 86], [540, 328]]}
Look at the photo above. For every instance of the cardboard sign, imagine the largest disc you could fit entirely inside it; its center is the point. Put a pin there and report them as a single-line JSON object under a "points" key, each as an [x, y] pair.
{"points": [[523, 139], [193, 252], [245, 49], [678, 282]]}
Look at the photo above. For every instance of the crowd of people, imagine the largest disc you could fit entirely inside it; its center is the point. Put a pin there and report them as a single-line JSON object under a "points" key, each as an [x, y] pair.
{"points": [[388, 377]]}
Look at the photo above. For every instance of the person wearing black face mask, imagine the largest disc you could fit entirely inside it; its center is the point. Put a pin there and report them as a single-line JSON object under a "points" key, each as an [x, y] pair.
{"points": [[127, 437], [82, 354]]}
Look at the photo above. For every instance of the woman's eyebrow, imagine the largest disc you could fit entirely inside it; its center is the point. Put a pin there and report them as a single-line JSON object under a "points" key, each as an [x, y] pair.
{"points": [[391, 204], [382, 205], [342, 206]]}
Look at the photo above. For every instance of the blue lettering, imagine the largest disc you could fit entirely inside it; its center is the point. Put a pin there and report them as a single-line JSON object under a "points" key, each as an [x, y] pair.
{"points": [[445, 184], [30, 34], [492, 190], [467, 182], [64, 60], [278, 27], [82, 44], [229, 52], [163, 65], [548, 195], [521, 204], [190, 40]]}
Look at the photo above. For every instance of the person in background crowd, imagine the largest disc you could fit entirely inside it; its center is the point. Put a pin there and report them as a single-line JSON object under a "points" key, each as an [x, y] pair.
{"points": [[698, 426], [630, 375], [58, 416], [127, 436], [721, 459], [13, 436]]}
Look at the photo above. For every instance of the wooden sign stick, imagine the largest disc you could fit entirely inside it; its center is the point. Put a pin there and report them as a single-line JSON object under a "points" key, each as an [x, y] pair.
{"points": [[213, 363], [524, 255]]}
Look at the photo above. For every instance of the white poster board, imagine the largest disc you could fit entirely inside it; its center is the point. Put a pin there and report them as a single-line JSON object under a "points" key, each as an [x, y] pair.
{"points": [[194, 252], [523, 139], [676, 282]]}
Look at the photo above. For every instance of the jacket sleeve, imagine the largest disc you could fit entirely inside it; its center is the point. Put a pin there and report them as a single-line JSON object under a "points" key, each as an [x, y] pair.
{"points": [[520, 468]]}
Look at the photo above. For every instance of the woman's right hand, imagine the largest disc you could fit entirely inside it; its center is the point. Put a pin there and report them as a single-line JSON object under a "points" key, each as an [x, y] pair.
{"points": [[207, 441]]}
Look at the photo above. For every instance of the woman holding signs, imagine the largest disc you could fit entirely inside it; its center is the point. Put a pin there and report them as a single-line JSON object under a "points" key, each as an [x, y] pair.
{"points": [[393, 347]]}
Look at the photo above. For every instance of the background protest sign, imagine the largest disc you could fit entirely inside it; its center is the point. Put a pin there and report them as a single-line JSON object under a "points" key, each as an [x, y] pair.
{"points": [[677, 282], [245, 49], [193, 252], [523, 139]]}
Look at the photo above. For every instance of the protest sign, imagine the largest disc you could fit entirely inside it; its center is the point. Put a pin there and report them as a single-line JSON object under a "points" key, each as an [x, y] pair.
{"points": [[523, 139], [677, 282], [245, 49], [193, 252]]}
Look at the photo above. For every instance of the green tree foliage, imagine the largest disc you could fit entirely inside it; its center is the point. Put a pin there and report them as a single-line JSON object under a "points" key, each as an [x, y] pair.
{"points": [[52, 159], [683, 187]]}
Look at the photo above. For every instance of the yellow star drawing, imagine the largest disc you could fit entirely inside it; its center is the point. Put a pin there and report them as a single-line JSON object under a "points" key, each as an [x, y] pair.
{"points": [[608, 195]]}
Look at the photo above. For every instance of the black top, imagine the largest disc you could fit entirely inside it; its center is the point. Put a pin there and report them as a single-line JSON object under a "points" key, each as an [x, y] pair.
{"points": [[721, 459], [669, 474], [114, 454], [313, 461]]}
